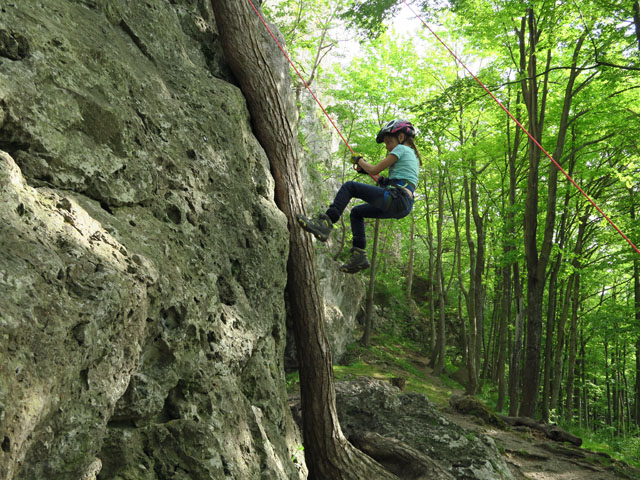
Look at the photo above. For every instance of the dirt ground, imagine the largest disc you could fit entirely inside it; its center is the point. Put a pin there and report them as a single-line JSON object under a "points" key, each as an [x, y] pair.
{"points": [[533, 456]]}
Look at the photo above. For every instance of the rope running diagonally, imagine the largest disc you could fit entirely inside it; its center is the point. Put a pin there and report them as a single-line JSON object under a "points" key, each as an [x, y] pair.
{"points": [[523, 129], [374, 177]]}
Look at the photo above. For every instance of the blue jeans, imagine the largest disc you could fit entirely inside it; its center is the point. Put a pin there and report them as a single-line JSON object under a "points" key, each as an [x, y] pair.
{"points": [[381, 203]]}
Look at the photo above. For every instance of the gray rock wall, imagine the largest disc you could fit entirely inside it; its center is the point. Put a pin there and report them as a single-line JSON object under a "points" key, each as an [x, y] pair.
{"points": [[142, 258]]}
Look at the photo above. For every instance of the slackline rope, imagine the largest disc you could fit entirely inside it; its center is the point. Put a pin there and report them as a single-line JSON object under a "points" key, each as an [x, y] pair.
{"points": [[374, 177], [522, 128]]}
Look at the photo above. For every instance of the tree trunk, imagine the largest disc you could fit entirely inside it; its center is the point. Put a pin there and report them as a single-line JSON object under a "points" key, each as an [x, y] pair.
{"points": [[457, 265], [437, 359], [550, 430], [479, 291], [554, 356], [502, 336], [636, 305], [516, 348], [536, 266], [472, 357], [573, 344], [432, 290], [583, 377], [559, 350], [537, 261], [368, 323], [263, 76], [551, 320], [516, 354], [399, 457], [411, 259]]}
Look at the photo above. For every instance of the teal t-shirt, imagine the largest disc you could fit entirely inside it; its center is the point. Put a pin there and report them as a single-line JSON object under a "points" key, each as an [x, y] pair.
{"points": [[406, 167]]}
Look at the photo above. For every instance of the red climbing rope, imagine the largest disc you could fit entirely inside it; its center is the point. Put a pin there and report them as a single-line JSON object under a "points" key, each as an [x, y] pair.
{"points": [[523, 129], [374, 177]]}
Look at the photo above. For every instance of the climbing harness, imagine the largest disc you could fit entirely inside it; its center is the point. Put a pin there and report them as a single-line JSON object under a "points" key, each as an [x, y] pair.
{"points": [[522, 128], [374, 177]]}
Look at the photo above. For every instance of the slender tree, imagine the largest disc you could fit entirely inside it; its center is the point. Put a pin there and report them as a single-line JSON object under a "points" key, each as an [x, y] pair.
{"points": [[264, 80], [636, 316], [368, 319], [437, 357], [537, 260]]}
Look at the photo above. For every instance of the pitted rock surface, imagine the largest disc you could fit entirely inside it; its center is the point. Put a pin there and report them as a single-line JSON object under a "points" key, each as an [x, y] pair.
{"points": [[370, 405], [142, 256]]}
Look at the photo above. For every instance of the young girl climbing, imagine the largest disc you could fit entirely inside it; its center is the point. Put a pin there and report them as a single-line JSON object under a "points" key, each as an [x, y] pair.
{"points": [[392, 199]]}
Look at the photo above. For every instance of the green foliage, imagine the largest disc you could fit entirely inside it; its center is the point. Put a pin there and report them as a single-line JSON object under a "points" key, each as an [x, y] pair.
{"points": [[464, 136], [369, 16]]}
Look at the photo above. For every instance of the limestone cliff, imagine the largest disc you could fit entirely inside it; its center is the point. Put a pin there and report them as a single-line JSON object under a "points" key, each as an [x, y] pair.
{"points": [[142, 258]]}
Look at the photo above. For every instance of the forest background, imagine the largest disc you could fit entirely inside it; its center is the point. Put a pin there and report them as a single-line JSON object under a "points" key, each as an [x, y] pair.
{"points": [[504, 272]]}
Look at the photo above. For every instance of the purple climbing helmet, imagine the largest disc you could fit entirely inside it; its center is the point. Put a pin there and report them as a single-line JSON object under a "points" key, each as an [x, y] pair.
{"points": [[395, 127]]}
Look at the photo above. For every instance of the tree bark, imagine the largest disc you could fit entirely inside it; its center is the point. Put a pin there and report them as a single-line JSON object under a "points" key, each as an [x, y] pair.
{"points": [[505, 314], [636, 305], [479, 291], [559, 350], [537, 261], [573, 346], [437, 359], [471, 358], [368, 315], [263, 76], [432, 290], [457, 265], [551, 319], [536, 266], [411, 259], [551, 431], [509, 248], [399, 457]]}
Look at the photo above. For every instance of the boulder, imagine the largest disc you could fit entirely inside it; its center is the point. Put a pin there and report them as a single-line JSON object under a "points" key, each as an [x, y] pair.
{"points": [[392, 426]]}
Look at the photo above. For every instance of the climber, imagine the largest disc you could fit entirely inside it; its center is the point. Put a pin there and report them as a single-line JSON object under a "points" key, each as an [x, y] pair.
{"points": [[392, 198]]}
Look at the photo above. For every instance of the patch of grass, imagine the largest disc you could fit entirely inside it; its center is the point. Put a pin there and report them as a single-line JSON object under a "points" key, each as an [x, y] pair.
{"points": [[385, 358], [293, 382], [626, 449]]}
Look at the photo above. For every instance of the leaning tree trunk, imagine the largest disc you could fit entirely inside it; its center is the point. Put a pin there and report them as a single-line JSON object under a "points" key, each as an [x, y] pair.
{"points": [[263, 76]]}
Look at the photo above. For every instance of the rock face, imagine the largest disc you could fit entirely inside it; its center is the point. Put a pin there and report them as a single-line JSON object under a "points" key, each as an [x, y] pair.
{"points": [[142, 259]]}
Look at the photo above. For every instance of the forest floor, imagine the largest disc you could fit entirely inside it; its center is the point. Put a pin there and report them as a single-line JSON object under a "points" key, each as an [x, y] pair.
{"points": [[529, 454]]}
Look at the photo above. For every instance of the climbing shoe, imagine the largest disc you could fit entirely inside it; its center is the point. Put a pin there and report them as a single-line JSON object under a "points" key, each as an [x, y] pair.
{"points": [[320, 226], [357, 262]]}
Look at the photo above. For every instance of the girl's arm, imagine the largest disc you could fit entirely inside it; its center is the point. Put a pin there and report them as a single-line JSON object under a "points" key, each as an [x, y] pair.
{"points": [[389, 160]]}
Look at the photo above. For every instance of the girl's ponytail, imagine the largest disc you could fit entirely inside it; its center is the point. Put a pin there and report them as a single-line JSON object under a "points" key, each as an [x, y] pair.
{"points": [[409, 141]]}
